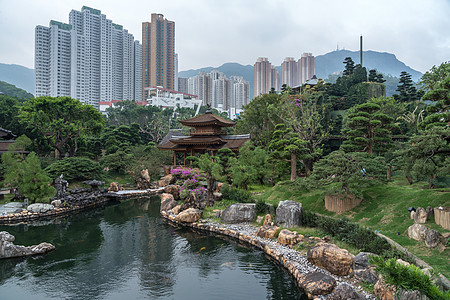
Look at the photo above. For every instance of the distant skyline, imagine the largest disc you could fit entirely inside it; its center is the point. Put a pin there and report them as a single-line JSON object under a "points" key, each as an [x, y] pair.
{"points": [[210, 33]]}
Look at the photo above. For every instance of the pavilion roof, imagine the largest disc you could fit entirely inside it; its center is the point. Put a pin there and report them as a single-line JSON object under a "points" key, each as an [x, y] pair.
{"points": [[207, 119], [6, 134]]}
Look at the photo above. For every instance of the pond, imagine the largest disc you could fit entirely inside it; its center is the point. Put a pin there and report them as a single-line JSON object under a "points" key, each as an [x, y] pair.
{"points": [[126, 251]]}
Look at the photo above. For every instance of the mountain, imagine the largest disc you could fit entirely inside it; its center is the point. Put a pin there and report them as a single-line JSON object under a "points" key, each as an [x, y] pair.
{"points": [[19, 76], [229, 69], [13, 91], [383, 62]]}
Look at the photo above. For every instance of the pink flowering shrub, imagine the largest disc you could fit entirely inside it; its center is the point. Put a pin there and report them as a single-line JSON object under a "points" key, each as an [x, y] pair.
{"points": [[189, 181]]}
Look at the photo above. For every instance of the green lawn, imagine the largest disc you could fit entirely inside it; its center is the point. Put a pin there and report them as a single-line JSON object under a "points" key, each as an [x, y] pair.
{"points": [[384, 208]]}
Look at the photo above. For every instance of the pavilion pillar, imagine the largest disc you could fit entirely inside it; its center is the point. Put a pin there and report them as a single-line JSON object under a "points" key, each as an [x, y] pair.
{"points": [[174, 158]]}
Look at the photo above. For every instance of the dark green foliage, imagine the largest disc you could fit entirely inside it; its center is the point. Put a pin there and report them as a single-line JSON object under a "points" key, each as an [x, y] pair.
{"points": [[410, 278], [9, 109], [437, 84], [344, 230], [117, 162], [406, 88], [427, 155], [236, 195], [259, 119], [368, 129], [60, 121], [76, 168], [13, 91], [375, 77], [25, 173], [349, 66], [261, 207], [342, 173]]}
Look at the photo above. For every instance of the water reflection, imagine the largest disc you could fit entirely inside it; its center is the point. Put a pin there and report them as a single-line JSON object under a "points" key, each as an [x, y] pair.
{"points": [[127, 251]]}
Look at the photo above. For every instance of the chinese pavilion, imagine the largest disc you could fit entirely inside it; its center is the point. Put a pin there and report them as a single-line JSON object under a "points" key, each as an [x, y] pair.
{"points": [[206, 136]]}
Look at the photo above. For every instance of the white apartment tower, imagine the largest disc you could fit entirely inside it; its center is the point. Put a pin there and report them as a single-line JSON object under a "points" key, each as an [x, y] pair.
{"points": [[262, 76], [95, 59], [306, 67], [289, 72]]}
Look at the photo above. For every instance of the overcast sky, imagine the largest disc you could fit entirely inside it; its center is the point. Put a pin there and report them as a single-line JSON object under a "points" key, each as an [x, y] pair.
{"points": [[212, 32]]}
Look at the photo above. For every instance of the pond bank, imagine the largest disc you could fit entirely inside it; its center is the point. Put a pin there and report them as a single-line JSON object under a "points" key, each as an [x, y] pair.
{"points": [[293, 261]]}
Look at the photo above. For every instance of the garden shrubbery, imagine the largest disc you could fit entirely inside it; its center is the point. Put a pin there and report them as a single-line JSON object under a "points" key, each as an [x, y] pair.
{"points": [[342, 229], [410, 278], [236, 194], [76, 168]]}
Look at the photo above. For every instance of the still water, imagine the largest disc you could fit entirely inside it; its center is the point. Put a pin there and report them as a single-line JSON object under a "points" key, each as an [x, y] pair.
{"points": [[126, 251]]}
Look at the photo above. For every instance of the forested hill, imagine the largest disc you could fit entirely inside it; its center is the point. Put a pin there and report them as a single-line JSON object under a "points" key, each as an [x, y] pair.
{"points": [[383, 62], [19, 76], [13, 91]]}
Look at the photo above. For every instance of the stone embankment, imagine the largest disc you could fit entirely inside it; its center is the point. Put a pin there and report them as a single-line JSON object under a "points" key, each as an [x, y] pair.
{"points": [[317, 282], [72, 203]]}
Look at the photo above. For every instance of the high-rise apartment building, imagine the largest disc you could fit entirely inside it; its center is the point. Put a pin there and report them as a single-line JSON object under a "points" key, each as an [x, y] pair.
{"points": [[262, 76], [90, 59], [306, 67], [289, 72], [221, 92], [158, 53], [183, 85], [275, 80]]}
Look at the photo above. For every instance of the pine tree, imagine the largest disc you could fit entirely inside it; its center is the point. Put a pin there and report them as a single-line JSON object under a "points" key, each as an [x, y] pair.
{"points": [[406, 88], [349, 66], [372, 75]]}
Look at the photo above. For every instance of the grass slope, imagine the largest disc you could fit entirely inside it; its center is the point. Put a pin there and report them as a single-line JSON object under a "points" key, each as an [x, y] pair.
{"points": [[384, 208]]}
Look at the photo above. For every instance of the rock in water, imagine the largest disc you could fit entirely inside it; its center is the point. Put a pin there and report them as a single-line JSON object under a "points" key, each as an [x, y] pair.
{"points": [[288, 214], [239, 212], [332, 258], [8, 249]]}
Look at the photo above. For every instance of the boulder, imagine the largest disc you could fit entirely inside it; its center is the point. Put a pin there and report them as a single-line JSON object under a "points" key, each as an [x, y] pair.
{"points": [[345, 292], [417, 231], [8, 249], [268, 220], [189, 215], [115, 187], [166, 180], [56, 203], [40, 208], [174, 190], [365, 274], [217, 196], [238, 213], [143, 181], [167, 202], [409, 295], [317, 283], [412, 214], [176, 210], [288, 214], [402, 262], [259, 219], [432, 238], [384, 291], [420, 216], [332, 258], [362, 259], [287, 237], [267, 231]]}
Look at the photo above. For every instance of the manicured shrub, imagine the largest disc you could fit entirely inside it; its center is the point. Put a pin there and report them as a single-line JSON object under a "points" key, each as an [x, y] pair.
{"points": [[76, 168], [261, 207], [236, 195]]}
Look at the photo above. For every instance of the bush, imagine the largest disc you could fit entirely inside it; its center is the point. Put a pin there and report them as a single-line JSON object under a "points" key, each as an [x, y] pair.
{"points": [[261, 207], [76, 168], [236, 195], [118, 161], [351, 233], [410, 278]]}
